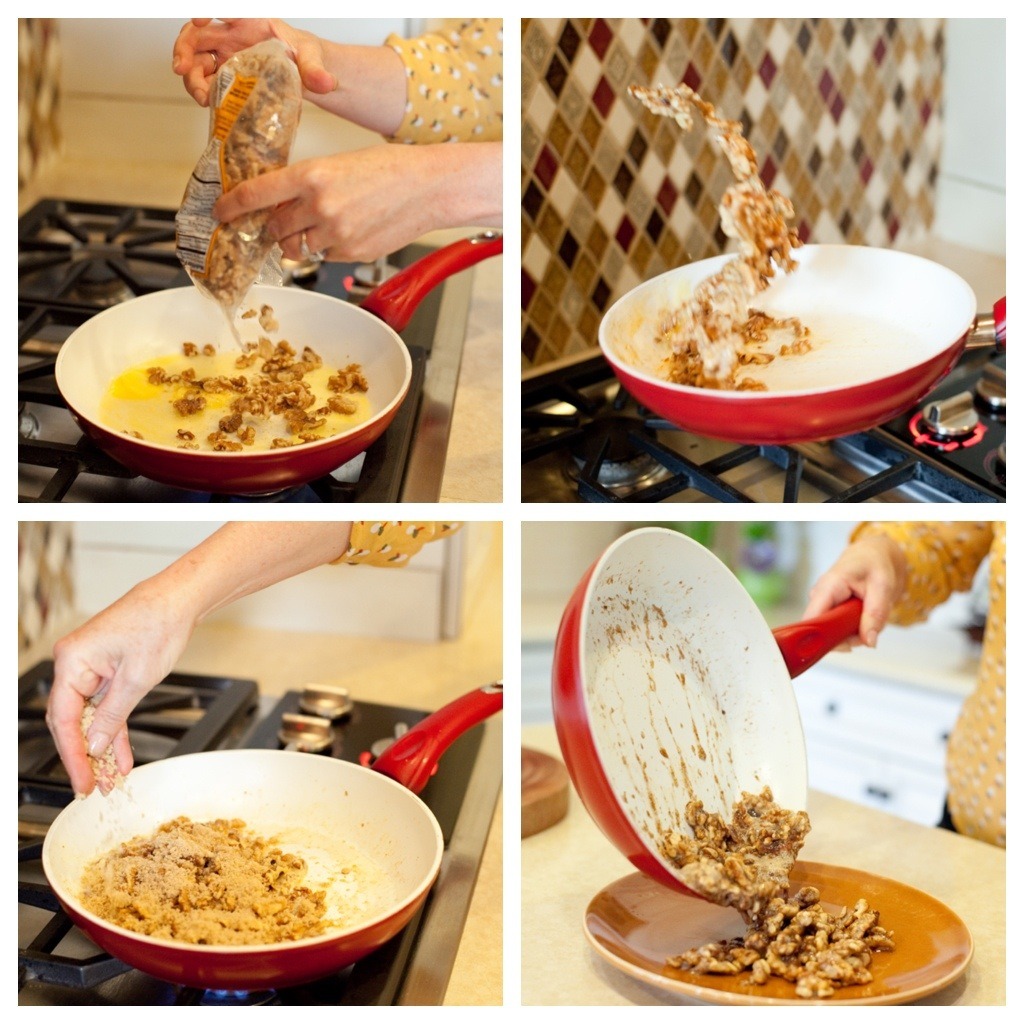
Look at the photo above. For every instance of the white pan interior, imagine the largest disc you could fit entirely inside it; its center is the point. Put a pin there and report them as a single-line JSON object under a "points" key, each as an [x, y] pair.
{"points": [[872, 313], [334, 814], [687, 693], [158, 324]]}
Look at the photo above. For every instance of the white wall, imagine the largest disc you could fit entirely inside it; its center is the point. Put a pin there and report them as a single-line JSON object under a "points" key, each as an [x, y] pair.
{"points": [[122, 101], [971, 208], [412, 603]]}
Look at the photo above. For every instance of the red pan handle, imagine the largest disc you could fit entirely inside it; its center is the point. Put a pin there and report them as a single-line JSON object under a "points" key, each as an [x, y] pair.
{"points": [[805, 643], [397, 298], [412, 758], [999, 313]]}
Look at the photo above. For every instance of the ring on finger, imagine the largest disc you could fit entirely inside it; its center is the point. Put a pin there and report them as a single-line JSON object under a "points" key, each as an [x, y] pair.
{"points": [[213, 54], [308, 255]]}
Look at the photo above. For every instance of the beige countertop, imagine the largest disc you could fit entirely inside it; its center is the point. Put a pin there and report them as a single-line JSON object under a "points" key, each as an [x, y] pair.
{"points": [[407, 673], [564, 867], [473, 470]]}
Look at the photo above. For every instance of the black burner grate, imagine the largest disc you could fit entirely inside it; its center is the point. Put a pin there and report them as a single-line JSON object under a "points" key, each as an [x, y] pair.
{"points": [[76, 258], [585, 438]]}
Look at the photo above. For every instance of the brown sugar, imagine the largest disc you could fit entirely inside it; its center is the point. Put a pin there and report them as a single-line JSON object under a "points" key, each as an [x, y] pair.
{"points": [[209, 883]]}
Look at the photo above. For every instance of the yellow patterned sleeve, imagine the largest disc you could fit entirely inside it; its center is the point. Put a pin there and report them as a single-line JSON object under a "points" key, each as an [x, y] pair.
{"points": [[391, 544], [454, 84], [941, 558]]}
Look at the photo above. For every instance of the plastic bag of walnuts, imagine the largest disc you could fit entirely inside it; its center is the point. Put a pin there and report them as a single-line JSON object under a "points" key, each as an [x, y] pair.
{"points": [[255, 104]]}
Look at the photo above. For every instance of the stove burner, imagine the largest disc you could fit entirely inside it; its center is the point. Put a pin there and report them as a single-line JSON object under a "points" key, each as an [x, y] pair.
{"points": [[98, 284], [950, 419], [228, 997], [991, 389], [606, 452]]}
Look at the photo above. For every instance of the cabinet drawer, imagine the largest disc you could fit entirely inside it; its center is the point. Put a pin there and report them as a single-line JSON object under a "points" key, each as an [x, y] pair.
{"points": [[910, 723], [878, 782]]}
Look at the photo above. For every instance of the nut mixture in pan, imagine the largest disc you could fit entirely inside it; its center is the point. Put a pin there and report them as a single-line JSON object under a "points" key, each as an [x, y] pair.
{"points": [[269, 396], [209, 883], [745, 864], [715, 333]]}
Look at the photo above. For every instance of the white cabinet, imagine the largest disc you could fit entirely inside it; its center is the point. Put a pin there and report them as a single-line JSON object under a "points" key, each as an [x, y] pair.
{"points": [[876, 740]]}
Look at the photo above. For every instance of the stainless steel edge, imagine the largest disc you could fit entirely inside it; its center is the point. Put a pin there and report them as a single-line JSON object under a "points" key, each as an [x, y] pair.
{"points": [[440, 934], [427, 454]]}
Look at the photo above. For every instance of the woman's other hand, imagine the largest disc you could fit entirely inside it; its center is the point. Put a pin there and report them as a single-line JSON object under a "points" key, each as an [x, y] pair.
{"points": [[203, 39], [873, 569]]}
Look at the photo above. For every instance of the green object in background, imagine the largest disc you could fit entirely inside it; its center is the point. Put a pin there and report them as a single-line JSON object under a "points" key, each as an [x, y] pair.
{"points": [[758, 568]]}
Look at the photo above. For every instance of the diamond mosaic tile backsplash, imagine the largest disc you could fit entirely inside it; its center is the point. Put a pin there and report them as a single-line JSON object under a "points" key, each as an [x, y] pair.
{"points": [[45, 589], [39, 58], [844, 115]]}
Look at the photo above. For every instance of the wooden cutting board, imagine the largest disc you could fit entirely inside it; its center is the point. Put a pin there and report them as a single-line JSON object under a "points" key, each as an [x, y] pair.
{"points": [[545, 791]]}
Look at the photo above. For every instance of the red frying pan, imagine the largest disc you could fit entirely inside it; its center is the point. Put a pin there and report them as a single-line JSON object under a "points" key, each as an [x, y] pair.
{"points": [[157, 324], [885, 328], [669, 686], [335, 814]]}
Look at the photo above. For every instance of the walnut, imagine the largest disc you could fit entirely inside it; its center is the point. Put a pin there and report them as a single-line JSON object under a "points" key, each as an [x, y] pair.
{"points": [[745, 863], [192, 402], [349, 379], [708, 335]]}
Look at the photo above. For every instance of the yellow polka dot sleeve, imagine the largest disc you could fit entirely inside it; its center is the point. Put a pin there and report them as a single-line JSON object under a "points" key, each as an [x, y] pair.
{"points": [[391, 544], [942, 558], [454, 84]]}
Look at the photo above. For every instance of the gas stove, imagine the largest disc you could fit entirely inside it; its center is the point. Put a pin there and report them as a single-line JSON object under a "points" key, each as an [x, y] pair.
{"points": [[76, 259], [584, 438], [58, 965]]}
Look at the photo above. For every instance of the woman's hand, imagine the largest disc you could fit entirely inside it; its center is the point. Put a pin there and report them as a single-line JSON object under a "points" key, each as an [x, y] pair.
{"points": [[125, 650], [122, 652], [362, 205], [202, 38], [871, 568]]}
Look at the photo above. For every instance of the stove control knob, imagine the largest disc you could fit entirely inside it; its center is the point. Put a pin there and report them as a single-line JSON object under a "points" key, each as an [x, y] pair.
{"points": [[992, 388], [951, 418], [1001, 454]]}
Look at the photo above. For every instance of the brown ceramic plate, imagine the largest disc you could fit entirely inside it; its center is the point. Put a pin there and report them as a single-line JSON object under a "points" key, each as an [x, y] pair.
{"points": [[636, 924]]}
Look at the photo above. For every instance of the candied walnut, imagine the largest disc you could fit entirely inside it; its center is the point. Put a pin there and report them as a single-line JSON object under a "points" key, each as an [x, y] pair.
{"points": [[156, 375], [190, 348], [281, 442], [190, 445], [249, 314], [247, 435], [191, 403], [185, 435], [230, 424], [745, 863], [209, 350]]}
